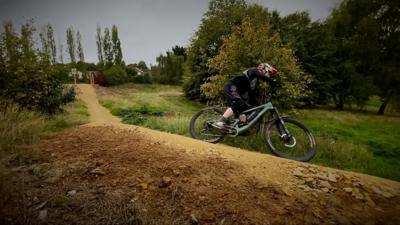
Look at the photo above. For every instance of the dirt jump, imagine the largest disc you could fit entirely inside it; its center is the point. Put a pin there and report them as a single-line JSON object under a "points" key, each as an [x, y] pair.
{"points": [[106, 172]]}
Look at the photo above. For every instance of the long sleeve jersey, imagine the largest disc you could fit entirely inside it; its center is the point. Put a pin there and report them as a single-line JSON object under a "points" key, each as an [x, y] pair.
{"points": [[248, 81]]}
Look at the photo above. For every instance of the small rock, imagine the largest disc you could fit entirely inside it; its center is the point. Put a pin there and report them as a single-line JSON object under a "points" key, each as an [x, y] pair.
{"points": [[43, 214], [348, 189], [322, 177], [326, 190], [298, 173], [331, 177], [314, 194], [176, 173], [165, 181], [370, 202], [356, 193], [325, 184], [71, 193], [98, 171]]}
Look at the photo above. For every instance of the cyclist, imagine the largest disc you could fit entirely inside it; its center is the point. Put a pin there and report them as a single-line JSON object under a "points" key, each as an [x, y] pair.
{"points": [[246, 82]]}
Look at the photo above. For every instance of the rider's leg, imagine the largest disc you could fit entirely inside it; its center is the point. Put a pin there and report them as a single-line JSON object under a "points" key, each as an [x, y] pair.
{"points": [[227, 114]]}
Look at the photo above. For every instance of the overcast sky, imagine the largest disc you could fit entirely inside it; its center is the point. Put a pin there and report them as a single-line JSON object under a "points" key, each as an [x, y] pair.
{"points": [[147, 28]]}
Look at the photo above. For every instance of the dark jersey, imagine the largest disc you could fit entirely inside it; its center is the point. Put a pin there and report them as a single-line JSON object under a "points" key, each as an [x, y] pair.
{"points": [[248, 82]]}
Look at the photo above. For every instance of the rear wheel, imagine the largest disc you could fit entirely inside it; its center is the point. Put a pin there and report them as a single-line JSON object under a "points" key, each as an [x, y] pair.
{"points": [[297, 144], [201, 128]]}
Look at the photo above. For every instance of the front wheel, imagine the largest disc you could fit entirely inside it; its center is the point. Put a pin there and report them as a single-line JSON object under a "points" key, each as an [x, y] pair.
{"points": [[295, 142], [201, 125]]}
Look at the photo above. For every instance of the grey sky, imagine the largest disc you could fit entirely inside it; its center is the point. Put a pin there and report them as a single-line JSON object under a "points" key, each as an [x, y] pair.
{"points": [[147, 28]]}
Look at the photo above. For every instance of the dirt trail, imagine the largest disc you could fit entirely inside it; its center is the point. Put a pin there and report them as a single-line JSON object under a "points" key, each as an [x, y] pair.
{"points": [[106, 172]]}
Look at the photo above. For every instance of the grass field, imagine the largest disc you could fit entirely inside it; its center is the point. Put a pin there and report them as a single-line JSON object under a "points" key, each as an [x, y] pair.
{"points": [[356, 141]]}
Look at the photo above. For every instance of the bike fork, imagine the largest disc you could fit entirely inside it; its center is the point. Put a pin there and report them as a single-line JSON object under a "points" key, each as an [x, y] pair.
{"points": [[285, 130]]}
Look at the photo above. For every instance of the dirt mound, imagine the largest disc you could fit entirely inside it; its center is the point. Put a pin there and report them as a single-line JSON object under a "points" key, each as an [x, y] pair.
{"points": [[109, 175]]}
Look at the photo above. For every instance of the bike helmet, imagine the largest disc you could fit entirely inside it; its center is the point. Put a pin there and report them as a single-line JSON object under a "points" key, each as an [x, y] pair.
{"points": [[270, 69]]}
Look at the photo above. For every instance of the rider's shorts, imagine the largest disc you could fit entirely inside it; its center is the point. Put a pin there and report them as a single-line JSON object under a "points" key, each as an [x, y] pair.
{"points": [[233, 98]]}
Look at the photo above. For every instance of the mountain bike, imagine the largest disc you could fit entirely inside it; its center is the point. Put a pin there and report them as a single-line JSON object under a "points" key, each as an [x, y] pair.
{"points": [[286, 137]]}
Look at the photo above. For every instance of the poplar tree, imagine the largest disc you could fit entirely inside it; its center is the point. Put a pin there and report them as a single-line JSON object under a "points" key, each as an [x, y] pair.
{"points": [[79, 50], [107, 48], [116, 46], [99, 43], [71, 44], [61, 48]]}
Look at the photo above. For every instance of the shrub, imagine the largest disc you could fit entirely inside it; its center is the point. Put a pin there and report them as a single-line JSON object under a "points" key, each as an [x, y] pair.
{"points": [[143, 79], [116, 75]]}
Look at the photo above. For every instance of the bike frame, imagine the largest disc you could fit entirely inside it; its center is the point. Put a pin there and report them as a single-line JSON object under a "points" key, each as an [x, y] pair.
{"points": [[265, 107]]}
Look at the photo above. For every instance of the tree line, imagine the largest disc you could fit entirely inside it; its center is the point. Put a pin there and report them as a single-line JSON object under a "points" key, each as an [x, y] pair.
{"points": [[343, 60]]}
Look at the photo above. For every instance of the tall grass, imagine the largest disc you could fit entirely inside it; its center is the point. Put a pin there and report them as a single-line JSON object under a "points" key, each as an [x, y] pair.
{"points": [[19, 128], [356, 141]]}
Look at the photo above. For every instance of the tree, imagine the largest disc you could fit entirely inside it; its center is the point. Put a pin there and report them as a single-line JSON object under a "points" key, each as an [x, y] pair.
{"points": [[52, 44], [48, 43], [387, 78], [116, 46], [142, 65], [366, 35], [222, 17], [27, 78], [79, 50], [99, 43], [248, 46], [107, 48], [71, 44], [170, 67], [61, 56]]}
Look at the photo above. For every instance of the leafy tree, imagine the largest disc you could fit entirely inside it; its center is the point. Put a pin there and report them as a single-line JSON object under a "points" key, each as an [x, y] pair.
{"points": [[366, 50], [248, 46], [71, 44], [48, 43], [170, 67], [179, 51], [387, 78], [116, 46], [79, 49], [61, 56], [27, 77], [107, 48], [222, 17], [318, 59], [142, 65], [99, 43]]}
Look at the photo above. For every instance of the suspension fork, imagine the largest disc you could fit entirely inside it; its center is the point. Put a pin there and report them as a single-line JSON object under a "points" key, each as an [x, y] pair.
{"points": [[285, 131]]}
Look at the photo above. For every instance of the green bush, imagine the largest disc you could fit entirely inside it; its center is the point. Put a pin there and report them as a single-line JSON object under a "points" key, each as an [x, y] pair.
{"points": [[116, 75], [136, 116], [143, 79]]}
